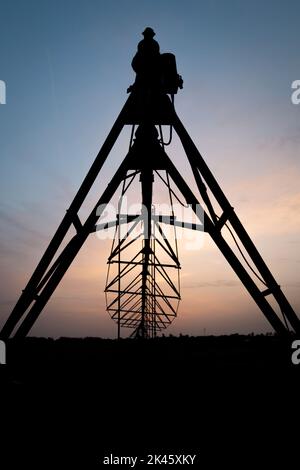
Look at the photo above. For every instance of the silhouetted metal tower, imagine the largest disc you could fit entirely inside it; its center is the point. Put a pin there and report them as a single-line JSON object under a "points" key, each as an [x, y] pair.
{"points": [[136, 292], [142, 292]]}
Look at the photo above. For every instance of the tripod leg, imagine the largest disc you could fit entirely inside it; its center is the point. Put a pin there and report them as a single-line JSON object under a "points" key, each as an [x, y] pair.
{"points": [[70, 252], [221, 243], [29, 293], [196, 161]]}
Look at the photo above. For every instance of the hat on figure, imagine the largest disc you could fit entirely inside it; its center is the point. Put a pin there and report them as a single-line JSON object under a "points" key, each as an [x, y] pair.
{"points": [[149, 32]]}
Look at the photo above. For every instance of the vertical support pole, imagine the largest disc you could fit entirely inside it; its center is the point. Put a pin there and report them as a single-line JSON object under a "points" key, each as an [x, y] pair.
{"points": [[119, 279], [147, 188]]}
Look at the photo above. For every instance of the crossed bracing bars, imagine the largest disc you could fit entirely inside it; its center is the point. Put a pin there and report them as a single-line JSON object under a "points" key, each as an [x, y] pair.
{"points": [[126, 304], [52, 266], [142, 294]]}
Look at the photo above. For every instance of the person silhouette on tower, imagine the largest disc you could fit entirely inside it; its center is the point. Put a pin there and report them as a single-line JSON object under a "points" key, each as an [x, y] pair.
{"points": [[147, 62]]}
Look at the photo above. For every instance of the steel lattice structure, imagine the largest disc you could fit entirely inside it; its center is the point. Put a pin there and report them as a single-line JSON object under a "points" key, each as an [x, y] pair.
{"points": [[149, 307], [142, 290]]}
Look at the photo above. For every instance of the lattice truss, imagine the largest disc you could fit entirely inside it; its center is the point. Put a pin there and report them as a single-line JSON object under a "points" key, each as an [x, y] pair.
{"points": [[143, 282]]}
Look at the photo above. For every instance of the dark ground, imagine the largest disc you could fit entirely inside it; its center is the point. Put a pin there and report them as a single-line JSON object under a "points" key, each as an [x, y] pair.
{"points": [[230, 400]]}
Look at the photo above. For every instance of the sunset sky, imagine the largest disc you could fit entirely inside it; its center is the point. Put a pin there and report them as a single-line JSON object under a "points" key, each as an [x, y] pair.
{"points": [[66, 65]]}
